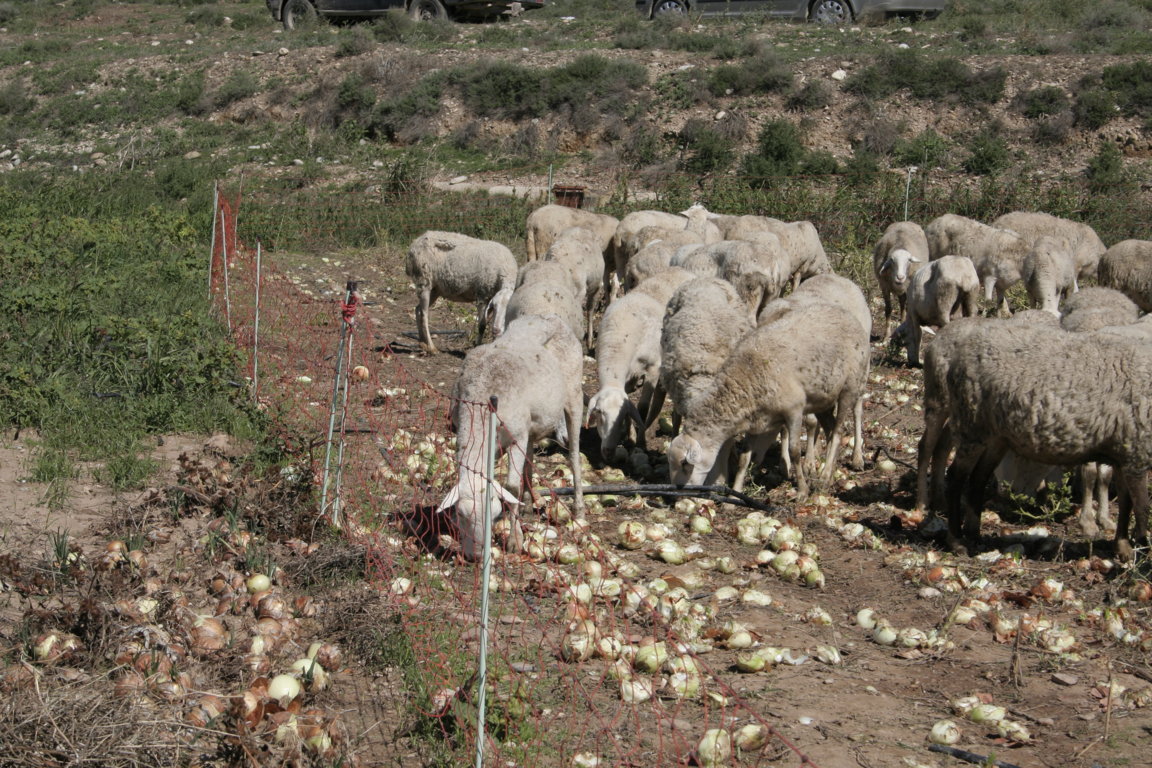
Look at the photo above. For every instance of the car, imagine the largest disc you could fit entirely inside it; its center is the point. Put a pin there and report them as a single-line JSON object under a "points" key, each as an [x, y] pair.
{"points": [[821, 11], [294, 13]]}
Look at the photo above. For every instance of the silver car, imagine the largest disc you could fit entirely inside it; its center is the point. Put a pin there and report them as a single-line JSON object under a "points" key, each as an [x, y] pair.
{"points": [[821, 11]]}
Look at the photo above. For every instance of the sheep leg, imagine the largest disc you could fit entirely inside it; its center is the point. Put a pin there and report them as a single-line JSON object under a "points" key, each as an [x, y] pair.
{"points": [[887, 314], [1133, 502], [573, 413], [481, 320], [1103, 481], [963, 514], [655, 404], [936, 436], [1088, 475], [795, 422], [915, 333], [743, 462], [832, 424], [858, 434], [424, 301], [517, 459], [812, 429]]}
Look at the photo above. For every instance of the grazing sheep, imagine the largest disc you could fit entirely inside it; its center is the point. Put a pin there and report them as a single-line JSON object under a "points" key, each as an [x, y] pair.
{"points": [[534, 370], [1083, 242], [459, 268], [937, 292], [579, 250], [799, 240], [1127, 267], [625, 244], [547, 222], [842, 292], [758, 270], [628, 357], [814, 359], [998, 254], [896, 257], [1096, 307], [656, 254], [546, 297], [1039, 392], [1049, 273], [705, 318]]}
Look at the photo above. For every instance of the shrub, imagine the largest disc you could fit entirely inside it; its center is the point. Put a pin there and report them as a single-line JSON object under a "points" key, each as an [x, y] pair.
{"points": [[355, 42], [502, 89], [682, 89], [1043, 101], [355, 97], [206, 16], [862, 169], [1105, 170], [934, 79], [642, 148], [819, 163], [421, 102], [8, 12], [764, 73], [1054, 130], [189, 96], [1131, 85], [14, 98], [703, 149], [881, 136], [240, 85], [815, 94], [779, 152], [987, 155], [1094, 108], [927, 149]]}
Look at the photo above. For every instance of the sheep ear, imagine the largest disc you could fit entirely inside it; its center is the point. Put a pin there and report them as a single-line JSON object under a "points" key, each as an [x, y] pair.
{"points": [[916, 259], [451, 499], [593, 417], [634, 413], [506, 496]]}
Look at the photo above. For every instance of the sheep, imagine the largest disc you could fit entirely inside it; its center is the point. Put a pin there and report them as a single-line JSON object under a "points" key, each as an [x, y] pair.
{"points": [[842, 292], [579, 249], [659, 246], [1038, 391], [459, 268], [534, 371], [625, 245], [1127, 267], [799, 240], [998, 254], [1049, 273], [1083, 242], [547, 222], [935, 294], [896, 257], [814, 359], [545, 297], [704, 319], [758, 270], [628, 357], [1096, 307]]}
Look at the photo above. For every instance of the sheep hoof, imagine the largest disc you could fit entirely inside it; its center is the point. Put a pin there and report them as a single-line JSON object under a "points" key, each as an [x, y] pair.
{"points": [[1090, 529], [1124, 550]]}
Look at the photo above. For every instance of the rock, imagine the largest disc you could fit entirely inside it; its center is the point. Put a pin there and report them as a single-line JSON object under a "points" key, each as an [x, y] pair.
{"points": [[282, 52], [839, 74], [193, 155], [1064, 678]]}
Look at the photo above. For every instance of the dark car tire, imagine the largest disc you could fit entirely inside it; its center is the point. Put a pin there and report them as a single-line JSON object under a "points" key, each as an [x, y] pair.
{"points": [[830, 12], [297, 14], [669, 8], [427, 10]]}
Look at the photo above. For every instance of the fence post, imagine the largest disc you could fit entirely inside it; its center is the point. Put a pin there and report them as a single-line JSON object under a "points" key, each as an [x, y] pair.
{"points": [[485, 575], [256, 334], [215, 224], [224, 254], [908, 190], [348, 312]]}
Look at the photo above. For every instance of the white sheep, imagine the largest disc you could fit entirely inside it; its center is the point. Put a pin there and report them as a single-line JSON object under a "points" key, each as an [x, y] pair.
{"points": [[757, 269], [625, 243], [898, 254], [459, 268], [814, 359], [655, 255], [578, 249], [1039, 392], [1083, 242], [1049, 273], [1127, 267], [534, 370], [547, 222], [628, 357], [938, 292], [998, 254], [799, 240], [545, 297], [1096, 307]]}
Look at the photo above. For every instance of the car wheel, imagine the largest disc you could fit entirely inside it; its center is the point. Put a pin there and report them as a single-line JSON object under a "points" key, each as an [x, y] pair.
{"points": [[297, 14], [426, 10], [830, 12], [669, 8]]}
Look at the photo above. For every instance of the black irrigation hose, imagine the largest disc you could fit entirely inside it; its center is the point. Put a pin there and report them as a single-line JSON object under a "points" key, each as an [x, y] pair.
{"points": [[721, 494], [969, 757]]}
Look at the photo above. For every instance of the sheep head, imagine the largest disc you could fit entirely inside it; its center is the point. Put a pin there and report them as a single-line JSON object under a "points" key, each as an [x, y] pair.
{"points": [[610, 412], [691, 461], [467, 496]]}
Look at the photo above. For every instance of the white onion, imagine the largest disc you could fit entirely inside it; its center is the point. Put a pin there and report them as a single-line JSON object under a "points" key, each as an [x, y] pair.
{"points": [[284, 688], [715, 747], [944, 732], [756, 597], [750, 737], [866, 618], [684, 684], [700, 524], [258, 582], [884, 634], [1010, 729], [636, 690], [670, 552], [585, 760], [987, 713], [630, 534]]}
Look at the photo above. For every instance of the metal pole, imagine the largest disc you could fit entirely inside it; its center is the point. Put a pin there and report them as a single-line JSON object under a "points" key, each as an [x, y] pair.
{"points": [[485, 575], [548, 196], [908, 190], [215, 224], [349, 290], [256, 334], [227, 293], [336, 485]]}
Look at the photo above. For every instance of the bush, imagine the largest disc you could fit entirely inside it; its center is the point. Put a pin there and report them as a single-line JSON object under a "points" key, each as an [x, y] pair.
{"points": [[1131, 86], [703, 148], [206, 16], [1043, 101], [395, 118], [764, 73], [988, 154], [1105, 171], [779, 153], [355, 42], [8, 12], [815, 94], [934, 79], [240, 85], [862, 169], [881, 136], [819, 163], [355, 97], [1054, 130], [1094, 109], [14, 98], [927, 149]]}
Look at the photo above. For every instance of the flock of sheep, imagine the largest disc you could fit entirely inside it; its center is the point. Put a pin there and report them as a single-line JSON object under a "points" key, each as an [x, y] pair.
{"points": [[740, 322]]}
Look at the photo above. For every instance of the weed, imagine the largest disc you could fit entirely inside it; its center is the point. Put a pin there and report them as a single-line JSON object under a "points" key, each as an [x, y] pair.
{"points": [[703, 148], [881, 136], [14, 98], [1131, 86], [987, 154], [1054, 130], [239, 85], [8, 13], [926, 149], [1094, 109], [206, 16], [683, 89], [815, 94], [764, 73], [126, 472], [396, 117], [1043, 101], [356, 41], [1105, 170], [928, 78]]}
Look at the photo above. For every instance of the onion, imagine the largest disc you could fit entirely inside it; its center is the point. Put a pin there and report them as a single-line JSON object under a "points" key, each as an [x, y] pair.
{"points": [[700, 524], [726, 564], [685, 685], [585, 760], [360, 373], [636, 690], [670, 552], [715, 747], [650, 658], [750, 662], [284, 688], [739, 639], [312, 673], [258, 582], [577, 646], [630, 534], [987, 713], [756, 597], [944, 732], [884, 634], [828, 654], [750, 737], [815, 579], [1013, 731]]}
